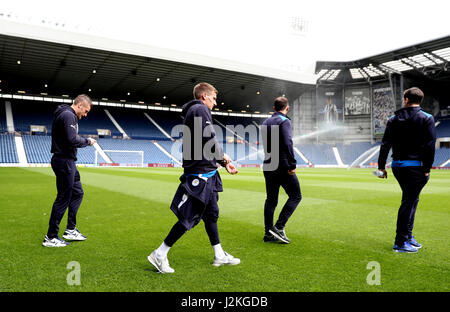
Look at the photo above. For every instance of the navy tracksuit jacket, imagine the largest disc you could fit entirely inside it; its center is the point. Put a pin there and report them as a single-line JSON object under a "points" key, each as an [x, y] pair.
{"points": [[279, 177], [197, 195], [411, 134], [65, 141]]}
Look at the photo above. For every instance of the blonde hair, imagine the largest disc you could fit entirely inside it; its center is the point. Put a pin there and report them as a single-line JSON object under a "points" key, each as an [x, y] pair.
{"points": [[83, 98], [203, 87]]}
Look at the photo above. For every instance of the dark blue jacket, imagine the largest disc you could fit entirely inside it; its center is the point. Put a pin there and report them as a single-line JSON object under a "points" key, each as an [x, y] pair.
{"points": [[412, 135], [65, 139], [192, 197], [196, 161], [286, 146]]}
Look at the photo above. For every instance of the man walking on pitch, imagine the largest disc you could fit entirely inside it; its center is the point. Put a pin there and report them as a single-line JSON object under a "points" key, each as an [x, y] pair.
{"points": [[65, 141], [279, 170], [197, 195], [412, 135]]}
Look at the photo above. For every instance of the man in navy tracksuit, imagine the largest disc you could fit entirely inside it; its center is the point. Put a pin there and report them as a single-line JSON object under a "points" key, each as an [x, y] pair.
{"points": [[412, 135], [279, 170], [65, 141], [197, 195]]}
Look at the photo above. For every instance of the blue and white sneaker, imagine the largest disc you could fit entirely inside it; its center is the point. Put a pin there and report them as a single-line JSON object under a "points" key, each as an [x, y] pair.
{"points": [[412, 241], [74, 235], [54, 242], [406, 247]]}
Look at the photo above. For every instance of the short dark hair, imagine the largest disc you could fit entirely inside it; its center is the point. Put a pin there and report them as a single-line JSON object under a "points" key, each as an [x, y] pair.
{"points": [[202, 87], [83, 98], [280, 103], [415, 95]]}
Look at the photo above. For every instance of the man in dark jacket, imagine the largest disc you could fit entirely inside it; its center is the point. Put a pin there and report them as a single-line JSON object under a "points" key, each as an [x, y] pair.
{"points": [[279, 170], [197, 195], [412, 135], [65, 141]]}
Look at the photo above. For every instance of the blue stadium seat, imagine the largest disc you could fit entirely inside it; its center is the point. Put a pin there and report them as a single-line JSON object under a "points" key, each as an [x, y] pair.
{"points": [[97, 119], [443, 129], [3, 127], [441, 156], [136, 125], [151, 153], [8, 152], [318, 154], [26, 113], [350, 152]]}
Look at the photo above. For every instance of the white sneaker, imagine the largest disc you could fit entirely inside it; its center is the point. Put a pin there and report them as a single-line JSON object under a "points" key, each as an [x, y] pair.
{"points": [[54, 242], [228, 259], [161, 264], [74, 235]]}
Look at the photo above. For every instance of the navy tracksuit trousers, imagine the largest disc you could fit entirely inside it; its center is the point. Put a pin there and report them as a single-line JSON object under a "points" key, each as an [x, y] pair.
{"points": [[411, 180], [275, 179], [70, 194]]}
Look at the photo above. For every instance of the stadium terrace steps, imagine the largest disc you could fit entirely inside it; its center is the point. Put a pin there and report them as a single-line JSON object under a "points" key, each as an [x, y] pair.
{"points": [[116, 124], [9, 117]]}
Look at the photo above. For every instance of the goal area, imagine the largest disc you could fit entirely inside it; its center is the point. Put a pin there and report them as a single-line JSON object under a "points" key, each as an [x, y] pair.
{"points": [[119, 158]]}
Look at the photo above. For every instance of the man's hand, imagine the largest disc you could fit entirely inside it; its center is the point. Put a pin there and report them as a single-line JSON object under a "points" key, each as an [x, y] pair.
{"points": [[427, 174], [291, 172], [226, 158], [231, 169], [92, 141], [384, 176]]}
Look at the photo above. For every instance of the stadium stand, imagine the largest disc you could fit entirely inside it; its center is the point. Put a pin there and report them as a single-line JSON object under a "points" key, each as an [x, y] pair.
{"points": [[350, 152], [174, 148], [37, 149], [97, 120], [26, 113], [374, 159], [151, 153], [443, 129], [136, 125], [8, 152], [441, 156], [3, 127], [318, 154], [166, 120], [142, 132]]}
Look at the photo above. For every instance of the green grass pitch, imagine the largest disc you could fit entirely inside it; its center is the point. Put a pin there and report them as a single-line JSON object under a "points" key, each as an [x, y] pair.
{"points": [[345, 221]]}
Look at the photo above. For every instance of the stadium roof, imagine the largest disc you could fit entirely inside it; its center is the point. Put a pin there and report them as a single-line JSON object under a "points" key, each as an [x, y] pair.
{"points": [[428, 60], [35, 66]]}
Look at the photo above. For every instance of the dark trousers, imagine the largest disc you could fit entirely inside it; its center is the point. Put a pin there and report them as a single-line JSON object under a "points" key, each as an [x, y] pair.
{"points": [[411, 180], [290, 184], [70, 194], [209, 217]]}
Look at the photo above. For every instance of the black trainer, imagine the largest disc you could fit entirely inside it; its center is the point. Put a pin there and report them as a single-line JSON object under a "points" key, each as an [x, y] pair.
{"points": [[279, 234], [268, 238]]}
